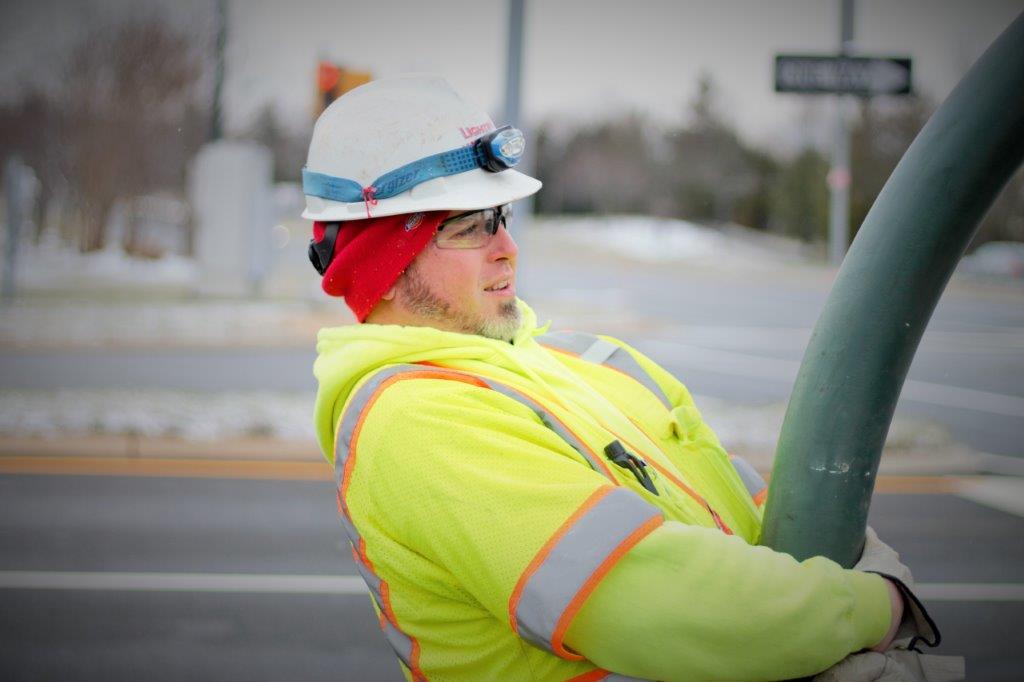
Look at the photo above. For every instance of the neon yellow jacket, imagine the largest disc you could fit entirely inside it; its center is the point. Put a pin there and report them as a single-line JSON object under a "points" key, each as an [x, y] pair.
{"points": [[500, 542]]}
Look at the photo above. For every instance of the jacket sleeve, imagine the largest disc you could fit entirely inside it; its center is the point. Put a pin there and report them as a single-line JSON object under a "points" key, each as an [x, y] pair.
{"points": [[473, 482], [760, 613], [691, 603]]}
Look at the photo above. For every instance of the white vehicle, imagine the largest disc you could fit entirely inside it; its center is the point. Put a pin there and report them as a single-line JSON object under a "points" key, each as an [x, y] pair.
{"points": [[996, 259]]}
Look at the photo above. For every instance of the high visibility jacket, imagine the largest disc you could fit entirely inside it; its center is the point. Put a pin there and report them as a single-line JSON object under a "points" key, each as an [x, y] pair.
{"points": [[555, 508]]}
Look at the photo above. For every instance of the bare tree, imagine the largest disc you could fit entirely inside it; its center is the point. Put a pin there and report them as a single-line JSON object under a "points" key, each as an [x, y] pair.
{"points": [[713, 170], [129, 116], [288, 147], [607, 168]]}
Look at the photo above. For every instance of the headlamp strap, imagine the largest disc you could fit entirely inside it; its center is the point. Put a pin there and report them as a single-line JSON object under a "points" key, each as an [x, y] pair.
{"points": [[478, 155]]}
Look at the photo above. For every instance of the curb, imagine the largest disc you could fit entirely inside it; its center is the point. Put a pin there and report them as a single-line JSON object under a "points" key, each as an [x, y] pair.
{"points": [[948, 461], [132, 446]]}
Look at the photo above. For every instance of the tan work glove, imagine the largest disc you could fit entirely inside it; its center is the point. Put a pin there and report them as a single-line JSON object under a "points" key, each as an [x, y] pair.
{"points": [[901, 662], [895, 665], [878, 557]]}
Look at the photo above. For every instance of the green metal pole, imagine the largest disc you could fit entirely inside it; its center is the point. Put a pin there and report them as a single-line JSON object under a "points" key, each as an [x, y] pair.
{"points": [[880, 304]]}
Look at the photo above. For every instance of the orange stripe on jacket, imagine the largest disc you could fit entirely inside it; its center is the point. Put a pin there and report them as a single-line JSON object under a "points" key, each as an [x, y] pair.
{"points": [[385, 589], [577, 601], [538, 559]]}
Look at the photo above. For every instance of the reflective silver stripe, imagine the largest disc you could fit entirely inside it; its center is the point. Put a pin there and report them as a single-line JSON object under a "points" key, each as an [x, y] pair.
{"points": [[599, 351], [748, 474], [350, 529], [401, 643], [590, 347], [354, 409], [615, 677], [575, 557], [372, 581], [549, 421]]}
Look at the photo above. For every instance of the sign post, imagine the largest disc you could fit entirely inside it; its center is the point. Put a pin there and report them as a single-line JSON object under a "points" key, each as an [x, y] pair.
{"points": [[841, 75]]}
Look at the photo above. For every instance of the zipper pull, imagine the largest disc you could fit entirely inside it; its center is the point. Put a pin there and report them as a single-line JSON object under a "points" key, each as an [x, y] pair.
{"points": [[627, 460]]}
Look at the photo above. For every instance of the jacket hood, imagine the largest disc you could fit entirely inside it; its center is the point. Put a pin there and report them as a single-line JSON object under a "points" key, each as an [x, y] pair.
{"points": [[347, 354]]}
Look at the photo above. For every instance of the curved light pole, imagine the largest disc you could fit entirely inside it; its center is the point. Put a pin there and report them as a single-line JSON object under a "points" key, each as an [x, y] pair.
{"points": [[880, 304]]}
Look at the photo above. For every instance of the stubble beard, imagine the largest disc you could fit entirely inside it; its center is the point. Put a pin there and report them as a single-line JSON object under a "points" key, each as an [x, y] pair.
{"points": [[422, 301]]}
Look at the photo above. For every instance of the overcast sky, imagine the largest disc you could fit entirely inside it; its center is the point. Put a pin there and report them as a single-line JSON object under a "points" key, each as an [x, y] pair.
{"points": [[582, 59]]}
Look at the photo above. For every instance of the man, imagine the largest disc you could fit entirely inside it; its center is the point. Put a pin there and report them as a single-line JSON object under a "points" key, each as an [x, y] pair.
{"points": [[524, 504]]}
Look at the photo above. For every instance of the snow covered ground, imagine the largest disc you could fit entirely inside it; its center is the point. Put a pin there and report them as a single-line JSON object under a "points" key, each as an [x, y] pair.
{"points": [[29, 323], [157, 413], [205, 417], [665, 240]]}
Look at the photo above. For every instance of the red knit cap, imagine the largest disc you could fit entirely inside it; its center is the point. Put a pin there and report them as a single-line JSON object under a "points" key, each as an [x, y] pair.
{"points": [[370, 255]]}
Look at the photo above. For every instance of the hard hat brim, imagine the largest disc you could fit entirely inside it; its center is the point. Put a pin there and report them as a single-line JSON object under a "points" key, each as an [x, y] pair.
{"points": [[462, 192]]}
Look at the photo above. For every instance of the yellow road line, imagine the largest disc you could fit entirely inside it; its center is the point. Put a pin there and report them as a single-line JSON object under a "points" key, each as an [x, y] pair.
{"points": [[921, 485], [163, 467], [321, 471]]}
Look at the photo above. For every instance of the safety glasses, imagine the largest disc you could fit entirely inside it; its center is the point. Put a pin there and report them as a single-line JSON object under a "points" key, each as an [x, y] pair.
{"points": [[473, 229]]}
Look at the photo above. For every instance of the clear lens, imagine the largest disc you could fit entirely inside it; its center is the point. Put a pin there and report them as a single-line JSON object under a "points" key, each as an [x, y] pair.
{"points": [[470, 230]]}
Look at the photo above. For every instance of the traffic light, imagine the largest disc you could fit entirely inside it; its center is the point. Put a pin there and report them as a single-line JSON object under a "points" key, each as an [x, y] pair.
{"points": [[332, 81]]}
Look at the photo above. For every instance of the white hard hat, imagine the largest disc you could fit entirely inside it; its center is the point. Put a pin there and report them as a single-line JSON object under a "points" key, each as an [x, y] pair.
{"points": [[407, 144]]}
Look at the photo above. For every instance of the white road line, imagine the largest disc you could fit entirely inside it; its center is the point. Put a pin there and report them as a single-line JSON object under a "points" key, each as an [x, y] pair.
{"points": [[1005, 340], [182, 582], [353, 584], [775, 369], [970, 591], [998, 492], [963, 398]]}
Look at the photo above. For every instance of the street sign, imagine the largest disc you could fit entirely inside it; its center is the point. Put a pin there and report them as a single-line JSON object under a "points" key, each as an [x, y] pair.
{"points": [[838, 74]]}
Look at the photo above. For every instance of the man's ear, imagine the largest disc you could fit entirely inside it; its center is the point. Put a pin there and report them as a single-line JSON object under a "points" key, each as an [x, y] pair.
{"points": [[390, 293]]}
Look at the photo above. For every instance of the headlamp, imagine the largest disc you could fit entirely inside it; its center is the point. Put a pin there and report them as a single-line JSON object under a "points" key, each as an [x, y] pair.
{"points": [[501, 149]]}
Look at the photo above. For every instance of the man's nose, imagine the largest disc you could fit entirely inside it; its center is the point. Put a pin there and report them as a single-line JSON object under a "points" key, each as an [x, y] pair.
{"points": [[502, 246]]}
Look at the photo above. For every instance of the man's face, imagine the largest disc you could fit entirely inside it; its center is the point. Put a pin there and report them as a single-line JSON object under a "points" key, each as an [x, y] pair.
{"points": [[460, 289]]}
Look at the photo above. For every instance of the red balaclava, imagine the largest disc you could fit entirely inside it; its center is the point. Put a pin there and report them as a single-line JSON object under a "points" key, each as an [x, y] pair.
{"points": [[371, 254]]}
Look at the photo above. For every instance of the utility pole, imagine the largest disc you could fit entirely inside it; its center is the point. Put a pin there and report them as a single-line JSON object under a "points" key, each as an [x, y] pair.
{"points": [[514, 64], [839, 177], [216, 124], [14, 173], [513, 89]]}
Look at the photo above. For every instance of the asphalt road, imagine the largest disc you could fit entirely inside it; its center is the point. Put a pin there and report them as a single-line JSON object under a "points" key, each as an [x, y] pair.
{"points": [[734, 336], [121, 578]]}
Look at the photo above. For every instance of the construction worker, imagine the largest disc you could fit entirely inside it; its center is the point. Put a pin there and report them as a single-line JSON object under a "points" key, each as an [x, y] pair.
{"points": [[526, 504]]}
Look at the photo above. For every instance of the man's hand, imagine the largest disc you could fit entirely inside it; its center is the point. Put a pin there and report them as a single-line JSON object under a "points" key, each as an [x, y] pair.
{"points": [[878, 557], [882, 559], [890, 660], [896, 602], [895, 665]]}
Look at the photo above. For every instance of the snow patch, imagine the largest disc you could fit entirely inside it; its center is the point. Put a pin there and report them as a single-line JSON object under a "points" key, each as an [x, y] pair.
{"points": [[156, 413], [665, 240]]}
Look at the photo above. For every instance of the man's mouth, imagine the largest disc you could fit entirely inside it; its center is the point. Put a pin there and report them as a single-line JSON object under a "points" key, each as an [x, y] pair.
{"points": [[500, 286]]}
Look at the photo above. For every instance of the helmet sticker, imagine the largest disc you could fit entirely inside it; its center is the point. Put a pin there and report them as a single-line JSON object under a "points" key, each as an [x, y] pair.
{"points": [[477, 130]]}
